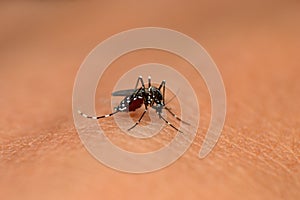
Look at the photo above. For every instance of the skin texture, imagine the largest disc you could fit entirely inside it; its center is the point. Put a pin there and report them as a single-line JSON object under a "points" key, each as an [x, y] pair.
{"points": [[256, 47]]}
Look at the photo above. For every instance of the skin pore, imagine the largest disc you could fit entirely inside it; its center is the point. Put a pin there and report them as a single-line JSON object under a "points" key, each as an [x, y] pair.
{"points": [[255, 46]]}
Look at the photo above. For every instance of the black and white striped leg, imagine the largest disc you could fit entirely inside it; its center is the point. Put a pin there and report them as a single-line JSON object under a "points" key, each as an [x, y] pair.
{"points": [[163, 84], [169, 123], [140, 79], [96, 117], [149, 81], [139, 119], [174, 115]]}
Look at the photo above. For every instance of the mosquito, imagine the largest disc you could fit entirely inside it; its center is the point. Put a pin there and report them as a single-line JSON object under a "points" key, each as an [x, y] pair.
{"points": [[150, 96]]}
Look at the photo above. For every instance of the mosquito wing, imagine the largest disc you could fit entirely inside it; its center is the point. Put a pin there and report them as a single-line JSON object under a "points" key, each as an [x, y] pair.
{"points": [[123, 92]]}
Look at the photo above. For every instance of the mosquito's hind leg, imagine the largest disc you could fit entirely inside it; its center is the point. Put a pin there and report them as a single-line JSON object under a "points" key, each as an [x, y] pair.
{"points": [[140, 79], [174, 115], [167, 122]]}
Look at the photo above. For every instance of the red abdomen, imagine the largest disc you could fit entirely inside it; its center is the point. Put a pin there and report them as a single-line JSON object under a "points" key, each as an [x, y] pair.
{"points": [[135, 104]]}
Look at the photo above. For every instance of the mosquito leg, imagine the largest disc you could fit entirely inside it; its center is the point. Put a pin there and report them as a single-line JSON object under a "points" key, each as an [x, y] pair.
{"points": [[149, 81], [164, 89], [163, 84], [140, 79], [137, 82], [95, 117], [174, 115], [169, 123], [139, 119]]}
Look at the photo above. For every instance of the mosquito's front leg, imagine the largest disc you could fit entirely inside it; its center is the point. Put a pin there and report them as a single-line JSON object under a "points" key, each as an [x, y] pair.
{"points": [[139, 119]]}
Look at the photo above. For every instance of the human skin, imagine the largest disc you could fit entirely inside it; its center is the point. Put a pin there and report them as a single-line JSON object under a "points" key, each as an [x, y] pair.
{"points": [[255, 45]]}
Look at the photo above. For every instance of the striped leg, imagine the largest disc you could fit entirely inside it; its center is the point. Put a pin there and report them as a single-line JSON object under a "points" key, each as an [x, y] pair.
{"points": [[163, 84], [139, 119], [140, 79], [95, 117], [149, 81], [169, 123], [169, 110]]}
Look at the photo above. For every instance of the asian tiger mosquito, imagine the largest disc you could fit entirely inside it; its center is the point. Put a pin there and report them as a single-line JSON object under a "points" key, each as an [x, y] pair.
{"points": [[150, 96]]}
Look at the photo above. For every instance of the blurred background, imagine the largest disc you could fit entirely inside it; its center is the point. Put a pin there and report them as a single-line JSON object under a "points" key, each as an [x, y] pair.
{"points": [[254, 43]]}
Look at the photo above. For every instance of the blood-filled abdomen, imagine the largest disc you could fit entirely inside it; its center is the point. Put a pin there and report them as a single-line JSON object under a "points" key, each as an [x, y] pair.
{"points": [[135, 104]]}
